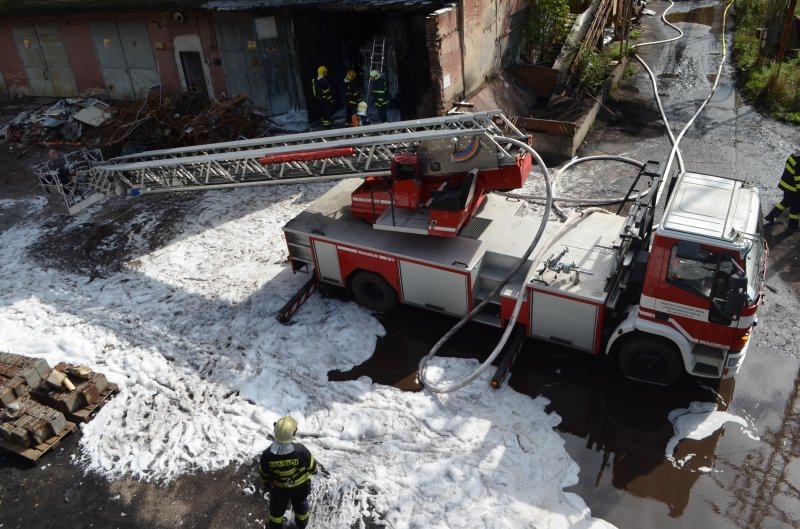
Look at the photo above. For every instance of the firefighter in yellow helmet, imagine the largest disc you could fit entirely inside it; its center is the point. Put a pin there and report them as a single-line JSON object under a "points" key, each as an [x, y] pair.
{"points": [[321, 88], [286, 468], [352, 94], [790, 185], [380, 94]]}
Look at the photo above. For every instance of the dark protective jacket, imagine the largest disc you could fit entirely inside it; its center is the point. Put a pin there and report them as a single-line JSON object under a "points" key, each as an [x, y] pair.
{"points": [[287, 470], [352, 94], [380, 92], [321, 88], [790, 179]]}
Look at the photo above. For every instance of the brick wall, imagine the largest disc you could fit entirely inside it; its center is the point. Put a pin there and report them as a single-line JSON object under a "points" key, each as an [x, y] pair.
{"points": [[466, 46], [444, 50]]}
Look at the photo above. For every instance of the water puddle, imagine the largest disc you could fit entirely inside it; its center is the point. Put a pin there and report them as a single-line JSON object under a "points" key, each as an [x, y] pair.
{"points": [[709, 16]]}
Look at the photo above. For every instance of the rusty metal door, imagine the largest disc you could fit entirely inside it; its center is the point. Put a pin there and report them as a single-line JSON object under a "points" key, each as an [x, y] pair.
{"points": [[126, 57], [256, 53], [44, 59], [276, 62], [240, 58]]}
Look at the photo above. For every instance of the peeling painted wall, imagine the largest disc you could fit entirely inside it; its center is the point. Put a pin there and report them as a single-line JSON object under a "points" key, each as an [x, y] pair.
{"points": [[11, 65], [487, 33], [76, 36]]}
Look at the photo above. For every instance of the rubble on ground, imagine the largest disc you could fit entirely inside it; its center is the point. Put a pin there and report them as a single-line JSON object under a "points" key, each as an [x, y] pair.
{"points": [[159, 119]]}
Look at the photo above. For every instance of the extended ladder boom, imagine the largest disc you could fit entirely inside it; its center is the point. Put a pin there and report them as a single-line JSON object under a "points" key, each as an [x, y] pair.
{"points": [[323, 155]]}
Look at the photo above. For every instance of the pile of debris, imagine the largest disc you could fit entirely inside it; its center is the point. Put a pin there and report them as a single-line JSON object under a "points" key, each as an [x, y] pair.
{"points": [[62, 123], [159, 119], [40, 405], [176, 119]]}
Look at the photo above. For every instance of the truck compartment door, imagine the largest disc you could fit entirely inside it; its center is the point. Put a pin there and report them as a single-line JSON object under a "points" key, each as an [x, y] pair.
{"points": [[328, 262], [434, 288], [564, 320]]}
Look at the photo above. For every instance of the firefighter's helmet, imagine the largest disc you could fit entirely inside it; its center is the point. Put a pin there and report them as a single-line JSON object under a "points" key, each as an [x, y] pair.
{"points": [[374, 74], [362, 107], [285, 428], [322, 71], [351, 75]]}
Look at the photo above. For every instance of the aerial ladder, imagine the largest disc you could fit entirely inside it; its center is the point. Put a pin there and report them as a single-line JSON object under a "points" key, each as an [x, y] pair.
{"points": [[286, 159]]}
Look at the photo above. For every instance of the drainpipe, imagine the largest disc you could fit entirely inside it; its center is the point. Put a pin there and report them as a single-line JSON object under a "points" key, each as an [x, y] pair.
{"points": [[786, 31], [461, 26]]}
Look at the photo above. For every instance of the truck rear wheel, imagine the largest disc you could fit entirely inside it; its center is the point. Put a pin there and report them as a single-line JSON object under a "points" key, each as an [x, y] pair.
{"points": [[649, 359], [373, 292]]}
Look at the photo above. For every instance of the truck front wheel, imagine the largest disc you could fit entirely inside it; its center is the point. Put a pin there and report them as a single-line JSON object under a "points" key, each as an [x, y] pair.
{"points": [[373, 292], [649, 359]]}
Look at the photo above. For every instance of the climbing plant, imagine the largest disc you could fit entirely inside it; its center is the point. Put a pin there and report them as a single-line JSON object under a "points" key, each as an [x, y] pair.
{"points": [[546, 29]]}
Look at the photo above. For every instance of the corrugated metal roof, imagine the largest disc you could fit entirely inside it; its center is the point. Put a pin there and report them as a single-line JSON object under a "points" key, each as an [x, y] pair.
{"points": [[241, 5], [50, 7]]}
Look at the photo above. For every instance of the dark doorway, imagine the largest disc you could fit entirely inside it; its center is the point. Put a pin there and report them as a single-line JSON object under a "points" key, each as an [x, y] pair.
{"points": [[342, 41], [193, 73]]}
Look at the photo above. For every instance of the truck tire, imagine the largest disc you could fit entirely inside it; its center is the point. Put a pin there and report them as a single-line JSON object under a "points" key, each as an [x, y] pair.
{"points": [[649, 359], [373, 292]]}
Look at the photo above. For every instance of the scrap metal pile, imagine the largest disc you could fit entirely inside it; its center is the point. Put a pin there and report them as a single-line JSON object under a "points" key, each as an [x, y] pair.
{"points": [[40, 405], [159, 119]]}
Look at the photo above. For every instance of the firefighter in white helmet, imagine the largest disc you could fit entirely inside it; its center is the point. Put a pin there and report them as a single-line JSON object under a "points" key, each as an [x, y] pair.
{"points": [[286, 468], [380, 94], [360, 117]]}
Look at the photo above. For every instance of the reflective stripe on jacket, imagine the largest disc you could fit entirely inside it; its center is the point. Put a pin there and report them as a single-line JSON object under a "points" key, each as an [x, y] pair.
{"points": [[287, 470], [790, 179], [321, 89], [351, 93], [379, 92]]}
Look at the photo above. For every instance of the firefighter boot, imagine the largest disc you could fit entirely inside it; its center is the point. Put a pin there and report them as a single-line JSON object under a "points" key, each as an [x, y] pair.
{"points": [[771, 216], [794, 225]]}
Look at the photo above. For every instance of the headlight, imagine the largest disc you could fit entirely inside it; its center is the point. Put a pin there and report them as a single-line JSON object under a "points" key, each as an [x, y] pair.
{"points": [[734, 361]]}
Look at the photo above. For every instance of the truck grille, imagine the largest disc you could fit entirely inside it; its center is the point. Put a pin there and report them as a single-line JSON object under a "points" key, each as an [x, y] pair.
{"points": [[701, 368], [709, 351]]}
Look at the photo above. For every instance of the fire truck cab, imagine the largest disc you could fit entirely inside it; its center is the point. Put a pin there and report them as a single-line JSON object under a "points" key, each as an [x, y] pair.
{"points": [[702, 280]]}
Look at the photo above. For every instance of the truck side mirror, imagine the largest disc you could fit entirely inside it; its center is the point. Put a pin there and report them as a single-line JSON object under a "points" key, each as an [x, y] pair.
{"points": [[735, 302], [737, 283]]}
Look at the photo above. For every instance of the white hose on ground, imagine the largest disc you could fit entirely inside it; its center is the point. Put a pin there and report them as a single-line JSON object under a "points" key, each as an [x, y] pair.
{"points": [[423, 363], [580, 201]]}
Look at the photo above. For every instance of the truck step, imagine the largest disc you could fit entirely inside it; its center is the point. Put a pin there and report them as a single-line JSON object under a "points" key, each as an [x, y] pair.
{"points": [[507, 356]]}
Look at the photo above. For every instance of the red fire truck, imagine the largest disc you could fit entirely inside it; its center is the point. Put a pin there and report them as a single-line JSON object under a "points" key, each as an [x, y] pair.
{"points": [[422, 225]]}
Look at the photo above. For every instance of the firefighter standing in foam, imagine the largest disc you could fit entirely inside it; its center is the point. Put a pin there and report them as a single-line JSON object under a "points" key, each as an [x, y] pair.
{"points": [[790, 184], [286, 468]]}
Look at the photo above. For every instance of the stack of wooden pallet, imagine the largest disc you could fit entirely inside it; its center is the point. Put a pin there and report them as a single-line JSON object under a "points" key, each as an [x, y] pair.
{"points": [[40, 405]]}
